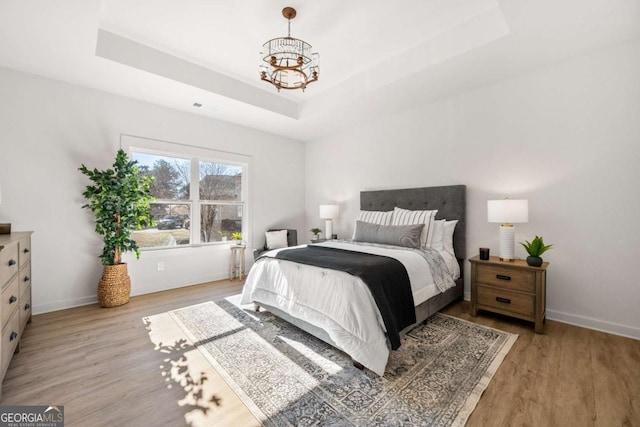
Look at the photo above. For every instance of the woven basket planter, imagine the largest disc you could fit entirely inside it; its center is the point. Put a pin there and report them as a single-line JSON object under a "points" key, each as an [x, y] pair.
{"points": [[115, 286]]}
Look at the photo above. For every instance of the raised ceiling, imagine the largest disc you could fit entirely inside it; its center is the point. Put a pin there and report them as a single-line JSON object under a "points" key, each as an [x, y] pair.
{"points": [[376, 56]]}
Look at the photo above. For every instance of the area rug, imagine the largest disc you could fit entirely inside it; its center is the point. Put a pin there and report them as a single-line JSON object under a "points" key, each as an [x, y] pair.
{"points": [[287, 377]]}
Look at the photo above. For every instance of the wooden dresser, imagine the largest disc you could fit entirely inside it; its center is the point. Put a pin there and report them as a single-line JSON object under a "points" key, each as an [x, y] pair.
{"points": [[512, 288], [15, 295]]}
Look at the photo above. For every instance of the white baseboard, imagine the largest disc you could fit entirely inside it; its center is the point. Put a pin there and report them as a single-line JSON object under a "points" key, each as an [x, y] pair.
{"points": [[62, 305], [595, 324], [165, 286], [143, 290], [587, 322]]}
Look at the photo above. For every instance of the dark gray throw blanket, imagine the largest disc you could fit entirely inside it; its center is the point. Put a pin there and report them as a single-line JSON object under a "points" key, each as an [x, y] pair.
{"points": [[386, 278]]}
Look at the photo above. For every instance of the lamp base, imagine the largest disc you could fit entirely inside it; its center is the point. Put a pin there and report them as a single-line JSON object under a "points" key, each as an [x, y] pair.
{"points": [[328, 229], [5, 228], [507, 237]]}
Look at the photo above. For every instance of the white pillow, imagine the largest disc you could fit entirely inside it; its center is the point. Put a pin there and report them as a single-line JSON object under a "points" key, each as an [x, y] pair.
{"points": [[438, 235], [449, 228], [409, 217], [276, 239], [375, 217]]}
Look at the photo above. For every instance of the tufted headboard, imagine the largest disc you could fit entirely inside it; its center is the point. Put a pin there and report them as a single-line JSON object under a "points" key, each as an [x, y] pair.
{"points": [[450, 201]]}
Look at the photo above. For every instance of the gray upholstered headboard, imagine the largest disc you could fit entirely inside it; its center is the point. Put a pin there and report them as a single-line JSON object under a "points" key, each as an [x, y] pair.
{"points": [[450, 201]]}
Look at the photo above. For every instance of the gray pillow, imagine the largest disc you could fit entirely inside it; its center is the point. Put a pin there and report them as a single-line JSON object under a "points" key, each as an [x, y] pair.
{"points": [[398, 235]]}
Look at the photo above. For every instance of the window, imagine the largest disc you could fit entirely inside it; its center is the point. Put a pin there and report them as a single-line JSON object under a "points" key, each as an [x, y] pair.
{"points": [[220, 190], [181, 220]]}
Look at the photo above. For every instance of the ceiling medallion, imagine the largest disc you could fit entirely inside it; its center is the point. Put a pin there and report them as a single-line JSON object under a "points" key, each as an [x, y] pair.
{"points": [[288, 63]]}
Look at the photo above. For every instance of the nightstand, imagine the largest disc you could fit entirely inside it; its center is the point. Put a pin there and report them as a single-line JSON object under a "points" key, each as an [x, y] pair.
{"points": [[511, 288]]}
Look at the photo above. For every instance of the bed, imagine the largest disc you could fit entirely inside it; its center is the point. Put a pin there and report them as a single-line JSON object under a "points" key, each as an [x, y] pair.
{"points": [[347, 317]]}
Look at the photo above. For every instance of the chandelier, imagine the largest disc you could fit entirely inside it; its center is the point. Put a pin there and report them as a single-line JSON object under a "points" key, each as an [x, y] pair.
{"points": [[288, 63]]}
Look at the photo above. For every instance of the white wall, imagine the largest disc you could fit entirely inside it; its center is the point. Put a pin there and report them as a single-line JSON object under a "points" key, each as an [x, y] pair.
{"points": [[567, 138], [48, 128]]}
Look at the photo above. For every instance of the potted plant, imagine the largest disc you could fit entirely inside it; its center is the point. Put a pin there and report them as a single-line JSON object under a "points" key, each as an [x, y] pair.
{"points": [[535, 248], [237, 235], [120, 200], [316, 233]]}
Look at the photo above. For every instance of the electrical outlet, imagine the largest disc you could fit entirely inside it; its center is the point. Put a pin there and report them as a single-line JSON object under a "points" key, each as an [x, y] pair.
{"points": [[161, 266]]}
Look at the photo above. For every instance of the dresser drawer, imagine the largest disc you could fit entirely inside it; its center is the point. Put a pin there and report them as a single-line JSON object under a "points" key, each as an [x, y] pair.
{"points": [[9, 300], [25, 277], [520, 304], [8, 263], [24, 251], [10, 338], [506, 277], [15, 292], [25, 307]]}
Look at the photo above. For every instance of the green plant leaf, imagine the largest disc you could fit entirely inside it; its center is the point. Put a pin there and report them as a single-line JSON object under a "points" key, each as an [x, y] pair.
{"points": [[536, 247], [120, 200]]}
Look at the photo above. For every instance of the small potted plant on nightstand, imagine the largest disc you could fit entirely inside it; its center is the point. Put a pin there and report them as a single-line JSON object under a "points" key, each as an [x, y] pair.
{"points": [[237, 236], [316, 233], [535, 248]]}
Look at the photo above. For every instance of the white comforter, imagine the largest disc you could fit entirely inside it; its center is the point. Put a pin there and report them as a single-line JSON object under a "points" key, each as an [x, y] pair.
{"points": [[339, 303]]}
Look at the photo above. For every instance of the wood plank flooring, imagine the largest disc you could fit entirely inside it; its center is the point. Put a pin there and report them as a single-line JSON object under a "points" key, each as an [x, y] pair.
{"points": [[100, 364]]}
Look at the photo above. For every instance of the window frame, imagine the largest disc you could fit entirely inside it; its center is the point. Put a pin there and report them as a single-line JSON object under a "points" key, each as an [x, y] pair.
{"points": [[196, 155]]}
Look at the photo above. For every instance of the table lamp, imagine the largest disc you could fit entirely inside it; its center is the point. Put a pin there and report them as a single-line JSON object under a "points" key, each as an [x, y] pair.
{"points": [[328, 212], [507, 212]]}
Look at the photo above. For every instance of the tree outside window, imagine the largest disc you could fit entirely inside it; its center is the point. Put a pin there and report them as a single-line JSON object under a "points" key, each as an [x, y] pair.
{"points": [[220, 201]]}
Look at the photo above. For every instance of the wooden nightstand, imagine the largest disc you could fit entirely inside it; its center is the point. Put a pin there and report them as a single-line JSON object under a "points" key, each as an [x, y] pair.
{"points": [[511, 288]]}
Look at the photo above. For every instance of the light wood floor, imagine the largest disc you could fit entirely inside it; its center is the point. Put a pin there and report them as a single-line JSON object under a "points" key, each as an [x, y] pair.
{"points": [[100, 364]]}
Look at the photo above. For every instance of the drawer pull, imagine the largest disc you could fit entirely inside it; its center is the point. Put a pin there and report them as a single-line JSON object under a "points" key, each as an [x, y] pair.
{"points": [[12, 262], [26, 250], [13, 336], [26, 278], [503, 277], [504, 300], [27, 306], [13, 299]]}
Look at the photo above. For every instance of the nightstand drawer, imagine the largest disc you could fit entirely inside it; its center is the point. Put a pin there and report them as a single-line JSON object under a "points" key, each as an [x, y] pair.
{"points": [[505, 277], [503, 299]]}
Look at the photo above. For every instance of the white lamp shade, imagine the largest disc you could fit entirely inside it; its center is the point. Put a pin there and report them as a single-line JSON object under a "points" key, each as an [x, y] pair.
{"points": [[328, 211], [508, 211]]}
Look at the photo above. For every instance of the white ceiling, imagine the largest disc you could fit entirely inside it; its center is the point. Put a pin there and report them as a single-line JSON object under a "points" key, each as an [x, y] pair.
{"points": [[376, 57]]}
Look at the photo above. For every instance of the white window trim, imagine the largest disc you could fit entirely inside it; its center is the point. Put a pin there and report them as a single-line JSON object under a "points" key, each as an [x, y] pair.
{"points": [[195, 154]]}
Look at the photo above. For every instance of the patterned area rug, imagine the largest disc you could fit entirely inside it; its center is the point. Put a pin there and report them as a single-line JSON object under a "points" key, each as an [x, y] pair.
{"points": [[288, 378]]}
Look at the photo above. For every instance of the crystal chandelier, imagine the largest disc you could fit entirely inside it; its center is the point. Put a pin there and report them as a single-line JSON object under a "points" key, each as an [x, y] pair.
{"points": [[288, 63]]}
